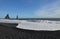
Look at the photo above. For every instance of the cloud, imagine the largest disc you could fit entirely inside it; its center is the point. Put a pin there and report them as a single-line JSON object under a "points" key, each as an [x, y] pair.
{"points": [[51, 10]]}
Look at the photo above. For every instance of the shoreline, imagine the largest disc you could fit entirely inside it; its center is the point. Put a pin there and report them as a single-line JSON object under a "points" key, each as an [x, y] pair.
{"points": [[7, 32], [8, 24], [13, 25]]}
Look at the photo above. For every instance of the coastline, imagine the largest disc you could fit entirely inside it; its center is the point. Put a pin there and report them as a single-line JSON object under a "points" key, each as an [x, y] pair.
{"points": [[15, 33]]}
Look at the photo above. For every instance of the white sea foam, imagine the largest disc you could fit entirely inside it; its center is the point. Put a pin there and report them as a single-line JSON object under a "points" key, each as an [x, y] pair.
{"points": [[9, 21], [42, 25], [38, 25]]}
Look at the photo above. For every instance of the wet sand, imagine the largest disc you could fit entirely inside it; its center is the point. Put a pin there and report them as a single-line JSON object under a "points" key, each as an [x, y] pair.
{"points": [[9, 32]]}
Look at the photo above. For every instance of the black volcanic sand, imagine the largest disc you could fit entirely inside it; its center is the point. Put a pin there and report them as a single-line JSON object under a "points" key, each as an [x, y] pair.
{"points": [[15, 33]]}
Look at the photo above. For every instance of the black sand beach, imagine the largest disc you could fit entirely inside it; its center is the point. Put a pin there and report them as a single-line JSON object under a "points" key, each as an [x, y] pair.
{"points": [[8, 32]]}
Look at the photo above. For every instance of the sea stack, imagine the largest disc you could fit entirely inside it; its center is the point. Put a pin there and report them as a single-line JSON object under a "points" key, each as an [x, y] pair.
{"points": [[7, 16], [17, 17]]}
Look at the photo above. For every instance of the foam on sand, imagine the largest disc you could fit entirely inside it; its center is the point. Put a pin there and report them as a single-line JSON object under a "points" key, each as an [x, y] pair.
{"points": [[46, 25], [39, 25], [9, 21]]}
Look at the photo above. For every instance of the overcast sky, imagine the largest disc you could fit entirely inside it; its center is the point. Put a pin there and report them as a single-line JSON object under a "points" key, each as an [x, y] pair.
{"points": [[30, 8]]}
